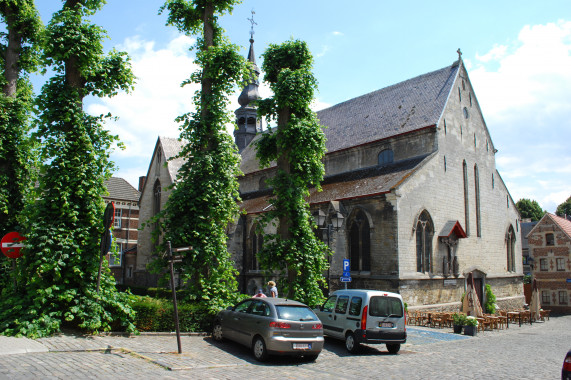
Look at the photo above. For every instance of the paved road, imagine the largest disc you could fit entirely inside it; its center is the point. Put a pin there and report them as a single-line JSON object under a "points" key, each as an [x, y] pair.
{"points": [[527, 352]]}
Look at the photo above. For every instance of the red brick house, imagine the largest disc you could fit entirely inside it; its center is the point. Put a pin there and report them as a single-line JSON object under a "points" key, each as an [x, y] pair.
{"points": [[125, 228], [550, 247]]}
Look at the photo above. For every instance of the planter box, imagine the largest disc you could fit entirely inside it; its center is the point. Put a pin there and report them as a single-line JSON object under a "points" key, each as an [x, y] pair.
{"points": [[457, 329], [470, 330]]}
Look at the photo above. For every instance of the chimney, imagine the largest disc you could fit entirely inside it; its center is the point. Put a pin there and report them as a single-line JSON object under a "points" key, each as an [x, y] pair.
{"points": [[142, 180]]}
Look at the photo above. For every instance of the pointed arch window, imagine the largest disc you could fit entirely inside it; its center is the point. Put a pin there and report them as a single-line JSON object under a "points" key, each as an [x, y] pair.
{"points": [[386, 157], [159, 158], [157, 197], [257, 242], [424, 235], [477, 195], [360, 243], [466, 200], [510, 248]]}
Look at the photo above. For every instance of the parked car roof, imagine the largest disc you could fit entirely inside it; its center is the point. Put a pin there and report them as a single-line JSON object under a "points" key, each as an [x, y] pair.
{"points": [[282, 301]]}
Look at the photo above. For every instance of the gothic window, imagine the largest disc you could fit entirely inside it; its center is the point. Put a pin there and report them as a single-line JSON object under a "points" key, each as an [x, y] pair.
{"points": [[424, 235], [386, 157], [510, 249], [360, 243], [466, 200], [444, 126], [459, 94], [466, 114], [477, 194], [159, 158], [444, 163], [157, 197], [257, 241]]}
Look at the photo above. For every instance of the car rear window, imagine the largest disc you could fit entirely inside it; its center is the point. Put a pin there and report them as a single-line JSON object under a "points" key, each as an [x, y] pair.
{"points": [[385, 306], [295, 313]]}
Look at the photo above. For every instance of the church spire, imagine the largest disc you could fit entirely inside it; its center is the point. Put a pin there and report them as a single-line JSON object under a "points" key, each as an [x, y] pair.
{"points": [[250, 92], [246, 115]]}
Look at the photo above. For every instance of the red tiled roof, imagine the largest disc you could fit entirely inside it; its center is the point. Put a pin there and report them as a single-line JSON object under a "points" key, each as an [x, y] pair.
{"points": [[563, 223]]}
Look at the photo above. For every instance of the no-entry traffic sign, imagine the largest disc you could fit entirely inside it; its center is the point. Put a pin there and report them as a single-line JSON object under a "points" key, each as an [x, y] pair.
{"points": [[11, 244]]}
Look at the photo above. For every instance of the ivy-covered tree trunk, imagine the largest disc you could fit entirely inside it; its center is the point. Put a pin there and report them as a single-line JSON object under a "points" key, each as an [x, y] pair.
{"points": [[60, 263], [19, 56], [298, 147], [203, 199]]}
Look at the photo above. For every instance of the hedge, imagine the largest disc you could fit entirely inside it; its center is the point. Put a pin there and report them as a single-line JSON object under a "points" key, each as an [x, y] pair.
{"points": [[157, 315]]}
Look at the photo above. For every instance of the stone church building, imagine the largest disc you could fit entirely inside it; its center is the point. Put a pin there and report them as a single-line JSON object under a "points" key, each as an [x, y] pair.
{"points": [[411, 194]]}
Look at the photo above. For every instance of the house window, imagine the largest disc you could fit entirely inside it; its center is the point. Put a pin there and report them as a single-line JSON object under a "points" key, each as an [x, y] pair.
{"points": [[560, 264], [257, 241], [477, 193], [510, 249], [117, 220], [386, 157], [466, 201], [543, 265], [549, 239], [115, 258], [360, 243], [424, 234], [563, 297], [545, 299]]}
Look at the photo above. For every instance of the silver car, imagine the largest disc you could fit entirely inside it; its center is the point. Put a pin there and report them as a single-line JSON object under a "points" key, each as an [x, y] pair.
{"points": [[271, 326]]}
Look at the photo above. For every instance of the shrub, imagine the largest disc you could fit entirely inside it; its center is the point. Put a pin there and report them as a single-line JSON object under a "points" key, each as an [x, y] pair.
{"points": [[458, 319], [158, 315], [490, 300], [470, 321]]}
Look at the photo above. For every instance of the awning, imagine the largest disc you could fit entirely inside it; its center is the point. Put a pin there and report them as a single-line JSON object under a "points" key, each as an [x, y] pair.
{"points": [[452, 226]]}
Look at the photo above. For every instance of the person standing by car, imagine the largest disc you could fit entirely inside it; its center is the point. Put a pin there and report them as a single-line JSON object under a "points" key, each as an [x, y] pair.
{"points": [[260, 294], [273, 289]]}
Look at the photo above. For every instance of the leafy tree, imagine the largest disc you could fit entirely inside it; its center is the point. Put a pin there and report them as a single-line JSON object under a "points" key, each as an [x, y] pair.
{"points": [[203, 200], [530, 209], [61, 260], [564, 208], [298, 147], [18, 57]]}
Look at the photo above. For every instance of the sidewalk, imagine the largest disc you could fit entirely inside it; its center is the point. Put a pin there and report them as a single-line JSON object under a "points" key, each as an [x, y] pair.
{"points": [[10, 345]]}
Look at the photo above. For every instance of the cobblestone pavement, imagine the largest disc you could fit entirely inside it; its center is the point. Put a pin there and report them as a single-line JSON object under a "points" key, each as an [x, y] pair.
{"points": [[527, 352]]}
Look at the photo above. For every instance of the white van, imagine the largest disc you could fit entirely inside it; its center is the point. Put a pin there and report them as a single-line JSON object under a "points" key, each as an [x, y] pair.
{"points": [[364, 316]]}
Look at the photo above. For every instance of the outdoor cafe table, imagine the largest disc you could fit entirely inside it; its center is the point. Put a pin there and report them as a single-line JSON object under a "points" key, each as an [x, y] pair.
{"points": [[512, 315]]}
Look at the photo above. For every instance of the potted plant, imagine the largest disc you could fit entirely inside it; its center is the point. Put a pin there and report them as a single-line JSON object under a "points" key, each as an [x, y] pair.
{"points": [[470, 326], [457, 322]]}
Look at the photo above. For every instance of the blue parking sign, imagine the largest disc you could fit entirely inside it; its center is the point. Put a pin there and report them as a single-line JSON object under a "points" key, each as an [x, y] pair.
{"points": [[346, 265]]}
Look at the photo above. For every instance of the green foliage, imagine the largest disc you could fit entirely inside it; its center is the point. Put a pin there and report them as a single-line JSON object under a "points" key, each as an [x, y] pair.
{"points": [[19, 56], [203, 199], [527, 278], [470, 321], [564, 208], [298, 145], [530, 209], [490, 305], [57, 274], [459, 319]]}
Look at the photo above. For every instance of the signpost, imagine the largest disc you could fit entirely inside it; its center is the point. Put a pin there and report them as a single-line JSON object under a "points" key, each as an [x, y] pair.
{"points": [[11, 244], [346, 272], [175, 259]]}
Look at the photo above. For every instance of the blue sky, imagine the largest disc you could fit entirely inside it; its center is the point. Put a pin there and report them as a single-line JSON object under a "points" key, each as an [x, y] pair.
{"points": [[518, 54]]}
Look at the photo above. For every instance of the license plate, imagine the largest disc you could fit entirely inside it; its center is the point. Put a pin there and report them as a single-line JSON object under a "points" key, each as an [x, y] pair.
{"points": [[302, 346], [386, 324]]}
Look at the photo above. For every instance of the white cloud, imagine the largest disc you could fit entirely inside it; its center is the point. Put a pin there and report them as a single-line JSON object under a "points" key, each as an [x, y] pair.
{"points": [[523, 89], [150, 110]]}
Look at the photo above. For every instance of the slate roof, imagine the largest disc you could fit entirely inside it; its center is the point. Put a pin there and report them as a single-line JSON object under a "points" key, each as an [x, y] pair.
{"points": [[450, 227], [401, 108], [359, 183], [119, 188], [172, 147]]}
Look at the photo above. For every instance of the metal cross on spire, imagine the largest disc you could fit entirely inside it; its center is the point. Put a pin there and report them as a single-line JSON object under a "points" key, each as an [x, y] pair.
{"points": [[459, 53], [253, 23]]}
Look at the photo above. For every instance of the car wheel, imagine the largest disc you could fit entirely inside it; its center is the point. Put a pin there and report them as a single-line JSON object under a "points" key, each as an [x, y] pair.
{"points": [[217, 332], [259, 349], [393, 348], [351, 344]]}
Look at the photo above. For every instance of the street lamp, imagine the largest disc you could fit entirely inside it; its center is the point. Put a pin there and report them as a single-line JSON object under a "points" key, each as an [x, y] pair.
{"points": [[336, 223]]}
